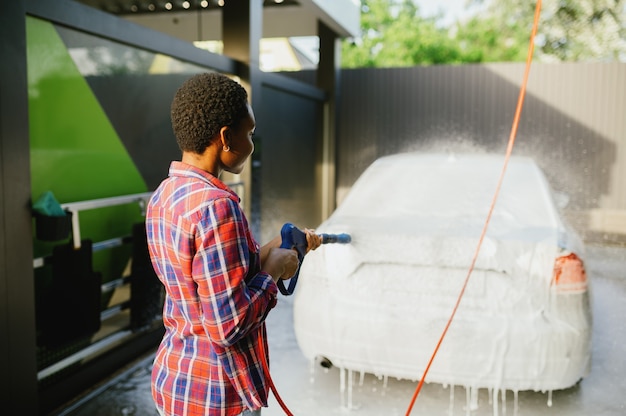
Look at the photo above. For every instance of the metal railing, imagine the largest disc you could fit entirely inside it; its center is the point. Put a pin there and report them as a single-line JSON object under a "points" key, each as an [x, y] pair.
{"points": [[76, 207], [108, 342]]}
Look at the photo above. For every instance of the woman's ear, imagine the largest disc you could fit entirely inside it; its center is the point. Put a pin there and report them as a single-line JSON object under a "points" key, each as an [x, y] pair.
{"points": [[225, 138]]}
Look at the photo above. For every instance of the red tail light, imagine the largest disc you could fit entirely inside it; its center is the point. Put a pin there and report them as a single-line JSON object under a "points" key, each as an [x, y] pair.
{"points": [[569, 275]]}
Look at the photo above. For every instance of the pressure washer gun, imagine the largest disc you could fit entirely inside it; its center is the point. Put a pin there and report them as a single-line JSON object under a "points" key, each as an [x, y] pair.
{"points": [[294, 238]]}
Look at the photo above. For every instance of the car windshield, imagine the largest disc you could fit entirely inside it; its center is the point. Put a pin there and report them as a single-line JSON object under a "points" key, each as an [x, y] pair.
{"points": [[452, 188]]}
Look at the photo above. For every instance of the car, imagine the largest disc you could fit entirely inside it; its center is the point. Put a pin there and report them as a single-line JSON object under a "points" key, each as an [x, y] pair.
{"points": [[380, 304]]}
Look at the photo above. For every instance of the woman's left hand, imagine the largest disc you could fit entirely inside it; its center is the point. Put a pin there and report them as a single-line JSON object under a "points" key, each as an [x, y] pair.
{"points": [[313, 240]]}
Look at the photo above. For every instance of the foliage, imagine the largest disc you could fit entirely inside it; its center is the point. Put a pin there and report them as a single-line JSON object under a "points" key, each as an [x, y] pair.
{"points": [[582, 30], [569, 30], [395, 34]]}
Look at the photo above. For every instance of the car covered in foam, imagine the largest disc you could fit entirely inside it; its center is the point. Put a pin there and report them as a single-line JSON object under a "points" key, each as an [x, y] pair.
{"points": [[380, 304]]}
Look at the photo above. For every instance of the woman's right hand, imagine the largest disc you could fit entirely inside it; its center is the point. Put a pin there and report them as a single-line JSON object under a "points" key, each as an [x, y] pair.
{"points": [[281, 263]]}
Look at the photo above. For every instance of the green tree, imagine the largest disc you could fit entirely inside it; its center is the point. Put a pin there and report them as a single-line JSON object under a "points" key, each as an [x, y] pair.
{"points": [[490, 38], [584, 30], [394, 34], [569, 30]]}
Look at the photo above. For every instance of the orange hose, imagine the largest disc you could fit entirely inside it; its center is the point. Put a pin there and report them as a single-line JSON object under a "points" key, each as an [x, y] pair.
{"points": [[518, 112], [269, 378]]}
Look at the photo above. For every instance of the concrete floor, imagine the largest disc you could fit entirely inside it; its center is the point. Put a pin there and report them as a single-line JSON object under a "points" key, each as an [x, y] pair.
{"points": [[311, 390]]}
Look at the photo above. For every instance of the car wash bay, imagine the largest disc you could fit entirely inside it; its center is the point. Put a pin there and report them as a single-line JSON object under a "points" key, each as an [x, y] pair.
{"points": [[579, 147], [579, 152]]}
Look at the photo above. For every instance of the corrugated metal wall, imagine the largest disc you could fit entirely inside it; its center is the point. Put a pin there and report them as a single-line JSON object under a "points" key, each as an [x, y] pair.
{"points": [[573, 123]]}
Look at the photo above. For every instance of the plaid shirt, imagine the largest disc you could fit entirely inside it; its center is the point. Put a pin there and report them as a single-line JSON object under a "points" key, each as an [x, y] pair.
{"points": [[208, 362]]}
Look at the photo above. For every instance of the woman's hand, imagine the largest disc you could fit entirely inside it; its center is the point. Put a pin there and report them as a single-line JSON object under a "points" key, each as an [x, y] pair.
{"points": [[313, 240], [280, 263]]}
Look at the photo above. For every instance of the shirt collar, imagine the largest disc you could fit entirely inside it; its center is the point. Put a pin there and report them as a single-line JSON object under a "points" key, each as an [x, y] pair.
{"points": [[184, 170]]}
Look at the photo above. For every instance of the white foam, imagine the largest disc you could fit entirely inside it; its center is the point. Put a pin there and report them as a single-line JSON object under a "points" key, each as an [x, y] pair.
{"points": [[380, 304]]}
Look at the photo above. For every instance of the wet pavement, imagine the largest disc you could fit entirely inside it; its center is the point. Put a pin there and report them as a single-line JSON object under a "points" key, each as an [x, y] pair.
{"points": [[310, 390]]}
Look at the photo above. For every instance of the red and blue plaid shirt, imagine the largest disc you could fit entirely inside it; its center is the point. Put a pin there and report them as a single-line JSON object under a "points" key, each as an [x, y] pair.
{"points": [[209, 361]]}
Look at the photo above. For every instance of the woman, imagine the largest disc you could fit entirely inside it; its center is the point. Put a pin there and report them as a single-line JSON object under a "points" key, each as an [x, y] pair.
{"points": [[220, 285]]}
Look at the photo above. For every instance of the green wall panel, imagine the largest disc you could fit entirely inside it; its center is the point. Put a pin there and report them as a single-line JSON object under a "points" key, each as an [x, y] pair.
{"points": [[75, 151]]}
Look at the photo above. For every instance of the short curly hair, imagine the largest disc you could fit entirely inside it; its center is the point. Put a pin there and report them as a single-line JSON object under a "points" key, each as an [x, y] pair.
{"points": [[204, 104]]}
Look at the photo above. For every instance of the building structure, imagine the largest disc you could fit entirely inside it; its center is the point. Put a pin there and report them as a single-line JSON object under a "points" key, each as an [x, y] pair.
{"points": [[84, 93]]}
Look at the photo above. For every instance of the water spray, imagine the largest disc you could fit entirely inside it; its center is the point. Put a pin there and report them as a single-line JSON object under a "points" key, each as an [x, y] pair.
{"points": [[509, 150]]}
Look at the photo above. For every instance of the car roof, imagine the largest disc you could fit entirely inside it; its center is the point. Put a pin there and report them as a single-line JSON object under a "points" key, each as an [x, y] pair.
{"points": [[439, 185]]}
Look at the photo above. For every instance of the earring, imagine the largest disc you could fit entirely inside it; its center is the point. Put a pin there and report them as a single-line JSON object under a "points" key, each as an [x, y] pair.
{"points": [[226, 148]]}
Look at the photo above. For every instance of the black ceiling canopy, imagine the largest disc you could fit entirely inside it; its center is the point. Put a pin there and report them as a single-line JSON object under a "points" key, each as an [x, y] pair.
{"points": [[126, 7]]}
